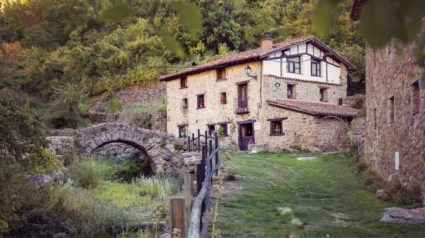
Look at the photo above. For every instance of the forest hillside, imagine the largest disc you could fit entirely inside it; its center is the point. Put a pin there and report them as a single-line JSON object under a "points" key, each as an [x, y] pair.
{"points": [[55, 50]]}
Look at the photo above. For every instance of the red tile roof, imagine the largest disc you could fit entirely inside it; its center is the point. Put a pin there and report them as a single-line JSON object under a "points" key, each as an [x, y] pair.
{"points": [[253, 55], [314, 108], [355, 9]]}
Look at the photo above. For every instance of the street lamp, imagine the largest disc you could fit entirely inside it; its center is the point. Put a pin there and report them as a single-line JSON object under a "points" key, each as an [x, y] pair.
{"points": [[248, 72]]}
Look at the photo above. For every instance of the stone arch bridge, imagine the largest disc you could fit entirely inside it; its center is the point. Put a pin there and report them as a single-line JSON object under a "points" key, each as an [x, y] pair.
{"points": [[158, 147]]}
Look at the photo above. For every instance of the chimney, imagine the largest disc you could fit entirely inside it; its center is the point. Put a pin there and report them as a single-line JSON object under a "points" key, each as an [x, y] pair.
{"points": [[267, 42]]}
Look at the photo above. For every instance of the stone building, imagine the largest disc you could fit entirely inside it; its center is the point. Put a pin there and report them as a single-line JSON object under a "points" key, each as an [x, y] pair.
{"points": [[274, 97], [395, 123]]}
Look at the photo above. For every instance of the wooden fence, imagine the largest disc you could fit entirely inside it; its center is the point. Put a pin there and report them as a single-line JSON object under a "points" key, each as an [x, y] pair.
{"points": [[186, 211]]}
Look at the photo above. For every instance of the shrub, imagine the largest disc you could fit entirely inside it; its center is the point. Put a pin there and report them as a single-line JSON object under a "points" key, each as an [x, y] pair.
{"points": [[86, 173], [114, 105], [178, 147]]}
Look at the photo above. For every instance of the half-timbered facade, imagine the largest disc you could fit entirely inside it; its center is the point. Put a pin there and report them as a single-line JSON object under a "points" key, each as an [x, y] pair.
{"points": [[276, 96]]}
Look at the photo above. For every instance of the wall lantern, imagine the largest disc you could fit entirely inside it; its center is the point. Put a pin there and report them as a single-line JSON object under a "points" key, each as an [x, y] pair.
{"points": [[248, 72]]}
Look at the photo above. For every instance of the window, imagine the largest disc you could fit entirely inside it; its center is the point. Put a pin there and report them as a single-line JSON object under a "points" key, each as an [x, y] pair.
{"points": [[276, 126], [415, 97], [221, 74], [293, 65], [290, 91], [242, 98], [183, 82], [323, 95], [182, 131], [184, 103], [391, 109], [211, 130], [223, 98], [223, 130], [201, 101], [315, 68]]}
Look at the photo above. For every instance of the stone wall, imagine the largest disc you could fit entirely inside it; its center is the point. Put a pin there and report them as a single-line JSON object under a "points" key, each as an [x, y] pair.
{"points": [[214, 112], [331, 134], [391, 76], [158, 119], [151, 93], [355, 101], [306, 90], [61, 145], [300, 128]]}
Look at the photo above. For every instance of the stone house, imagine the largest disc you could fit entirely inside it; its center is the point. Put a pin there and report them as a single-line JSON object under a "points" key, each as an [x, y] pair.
{"points": [[273, 97], [394, 143]]}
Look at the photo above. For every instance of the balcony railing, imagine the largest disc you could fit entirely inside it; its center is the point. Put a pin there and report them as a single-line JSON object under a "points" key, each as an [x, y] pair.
{"points": [[240, 106]]}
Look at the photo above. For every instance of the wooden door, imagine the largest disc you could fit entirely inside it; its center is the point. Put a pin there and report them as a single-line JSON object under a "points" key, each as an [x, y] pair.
{"points": [[246, 135]]}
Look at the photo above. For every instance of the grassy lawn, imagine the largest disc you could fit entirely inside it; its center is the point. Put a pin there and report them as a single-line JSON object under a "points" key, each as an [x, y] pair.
{"points": [[326, 194]]}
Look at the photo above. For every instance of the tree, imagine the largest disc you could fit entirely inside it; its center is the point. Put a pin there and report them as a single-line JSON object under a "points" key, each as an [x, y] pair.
{"points": [[70, 106], [23, 135], [382, 21]]}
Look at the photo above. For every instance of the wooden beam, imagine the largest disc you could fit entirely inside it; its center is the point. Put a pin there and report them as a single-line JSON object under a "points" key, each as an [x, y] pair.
{"points": [[177, 211]]}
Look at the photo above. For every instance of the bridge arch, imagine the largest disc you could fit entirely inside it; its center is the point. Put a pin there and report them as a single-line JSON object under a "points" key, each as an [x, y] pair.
{"points": [[157, 146]]}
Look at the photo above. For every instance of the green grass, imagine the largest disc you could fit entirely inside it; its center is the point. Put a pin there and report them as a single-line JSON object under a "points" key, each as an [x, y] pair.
{"points": [[317, 191]]}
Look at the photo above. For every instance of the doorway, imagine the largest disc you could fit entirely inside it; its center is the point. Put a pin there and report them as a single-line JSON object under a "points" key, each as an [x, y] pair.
{"points": [[246, 134]]}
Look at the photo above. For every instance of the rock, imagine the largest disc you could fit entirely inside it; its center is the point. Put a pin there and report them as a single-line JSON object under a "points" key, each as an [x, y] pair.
{"points": [[394, 179], [307, 158], [381, 194], [165, 235], [253, 152], [191, 161], [404, 216], [41, 180], [314, 150], [179, 141], [60, 235], [170, 147], [168, 157]]}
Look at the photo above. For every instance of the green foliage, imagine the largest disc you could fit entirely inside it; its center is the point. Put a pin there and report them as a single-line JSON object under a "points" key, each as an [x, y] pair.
{"points": [[12, 182], [361, 113], [71, 104], [23, 136], [118, 12], [147, 121], [381, 22], [178, 147], [114, 105], [86, 173]]}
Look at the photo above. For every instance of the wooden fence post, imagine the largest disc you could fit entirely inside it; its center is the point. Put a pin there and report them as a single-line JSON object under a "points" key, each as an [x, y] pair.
{"points": [[188, 143], [216, 155], [177, 215], [199, 140], [188, 197]]}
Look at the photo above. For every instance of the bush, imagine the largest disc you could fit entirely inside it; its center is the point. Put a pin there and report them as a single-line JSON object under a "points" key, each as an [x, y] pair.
{"points": [[114, 105], [86, 173]]}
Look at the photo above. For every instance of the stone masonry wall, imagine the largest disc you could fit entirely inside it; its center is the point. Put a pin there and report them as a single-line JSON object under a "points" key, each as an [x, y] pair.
{"points": [[389, 75], [307, 91], [331, 134], [214, 112], [301, 128], [158, 120]]}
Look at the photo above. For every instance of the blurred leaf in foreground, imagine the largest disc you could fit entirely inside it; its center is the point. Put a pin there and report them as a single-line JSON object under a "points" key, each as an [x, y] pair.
{"points": [[116, 12], [189, 16], [174, 45]]}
